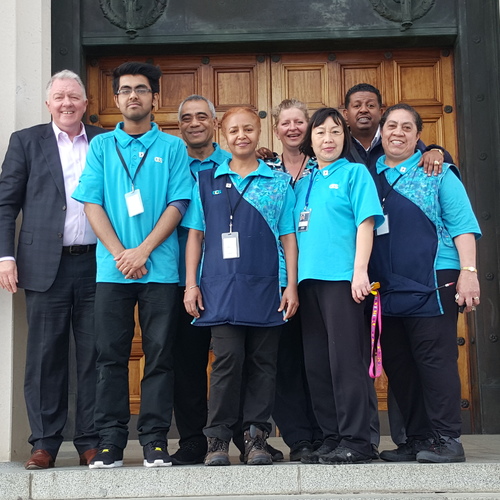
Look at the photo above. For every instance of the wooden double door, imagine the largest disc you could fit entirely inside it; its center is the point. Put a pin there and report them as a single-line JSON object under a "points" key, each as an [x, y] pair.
{"points": [[422, 78]]}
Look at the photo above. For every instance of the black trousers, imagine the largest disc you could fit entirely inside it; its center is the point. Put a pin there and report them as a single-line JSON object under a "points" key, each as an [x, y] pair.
{"points": [[293, 411], [333, 334], [243, 375], [67, 305], [114, 316], [420, 359], [191, 349]]}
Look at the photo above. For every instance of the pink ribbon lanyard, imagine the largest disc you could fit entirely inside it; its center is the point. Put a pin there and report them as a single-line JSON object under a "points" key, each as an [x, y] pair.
{"points": [[375, 369]]}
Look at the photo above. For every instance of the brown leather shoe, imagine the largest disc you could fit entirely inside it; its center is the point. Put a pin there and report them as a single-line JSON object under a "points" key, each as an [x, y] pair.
{"points": [[40, 459], [87, 456]]}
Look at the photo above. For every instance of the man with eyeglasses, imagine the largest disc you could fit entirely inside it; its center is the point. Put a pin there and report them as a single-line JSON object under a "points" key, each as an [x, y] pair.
{"points": [[136, 186], [55, 264]]}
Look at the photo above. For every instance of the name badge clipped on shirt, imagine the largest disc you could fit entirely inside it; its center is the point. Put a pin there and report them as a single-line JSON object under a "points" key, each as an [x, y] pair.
{"points": [[134, 202], [384, 227], [304, 218], [230, 246]]}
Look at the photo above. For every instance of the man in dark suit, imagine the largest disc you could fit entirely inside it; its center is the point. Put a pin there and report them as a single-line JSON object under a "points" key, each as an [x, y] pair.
{"points": [[55, 264]]}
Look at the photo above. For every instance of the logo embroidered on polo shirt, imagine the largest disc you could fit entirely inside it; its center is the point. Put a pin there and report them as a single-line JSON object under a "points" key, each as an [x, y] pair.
{"points": [[158, 159], [333, 186]]}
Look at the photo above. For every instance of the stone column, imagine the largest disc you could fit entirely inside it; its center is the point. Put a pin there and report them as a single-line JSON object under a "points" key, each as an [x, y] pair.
{"points": [[25, 60]]}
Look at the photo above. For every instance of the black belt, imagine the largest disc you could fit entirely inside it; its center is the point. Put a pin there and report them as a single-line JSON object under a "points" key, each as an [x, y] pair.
{"points": [[78, 249]]}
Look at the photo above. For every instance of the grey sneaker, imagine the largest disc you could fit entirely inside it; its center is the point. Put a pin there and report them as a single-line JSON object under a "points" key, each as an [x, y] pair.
{"points": [[256, 447], [406, 452], [218, 452], [444, 450]]}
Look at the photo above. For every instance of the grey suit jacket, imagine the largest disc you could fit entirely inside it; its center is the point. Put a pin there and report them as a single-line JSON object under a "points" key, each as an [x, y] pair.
{"points": [[32, 181]]}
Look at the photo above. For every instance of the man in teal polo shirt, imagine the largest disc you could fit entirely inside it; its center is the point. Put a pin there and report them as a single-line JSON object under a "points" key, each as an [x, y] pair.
{"points": [[197, 124], [136, 186]]}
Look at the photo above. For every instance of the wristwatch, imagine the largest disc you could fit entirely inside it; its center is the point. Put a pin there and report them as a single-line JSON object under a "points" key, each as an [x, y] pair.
{"points": [[469, 268]]}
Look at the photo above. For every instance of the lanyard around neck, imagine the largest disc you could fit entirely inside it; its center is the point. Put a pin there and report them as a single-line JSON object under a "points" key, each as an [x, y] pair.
{"points": [[294, 180], [389, 191], [132, 179], [232, 210], [311, 180]]}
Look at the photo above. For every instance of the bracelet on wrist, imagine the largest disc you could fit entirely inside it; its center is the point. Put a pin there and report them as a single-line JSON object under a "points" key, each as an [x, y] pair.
{"points": [[191, 287], [472, 269]]}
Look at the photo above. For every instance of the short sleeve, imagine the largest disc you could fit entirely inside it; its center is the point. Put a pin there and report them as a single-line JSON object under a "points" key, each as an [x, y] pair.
{"points": [[194, 218]]}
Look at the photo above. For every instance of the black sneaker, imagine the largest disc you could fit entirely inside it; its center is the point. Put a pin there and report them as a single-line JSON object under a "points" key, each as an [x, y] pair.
{"points": [[324, 449], [375, 453], [156, 454], [300, 449], [190, 453], [108, 456], [406, 452], [444, 450], [344, 455]]}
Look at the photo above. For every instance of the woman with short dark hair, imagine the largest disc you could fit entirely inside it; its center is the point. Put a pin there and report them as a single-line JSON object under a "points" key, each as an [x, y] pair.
{"points": [[335, 212]]}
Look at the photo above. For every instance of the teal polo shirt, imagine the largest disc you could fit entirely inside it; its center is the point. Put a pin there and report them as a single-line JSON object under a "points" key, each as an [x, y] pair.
{"points": [[194, 218], [341, 196], [218, 157], [163, 178]]}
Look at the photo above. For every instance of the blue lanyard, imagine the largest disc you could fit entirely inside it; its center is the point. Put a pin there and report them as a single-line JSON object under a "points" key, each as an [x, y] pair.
{"points": [[312, 174]]}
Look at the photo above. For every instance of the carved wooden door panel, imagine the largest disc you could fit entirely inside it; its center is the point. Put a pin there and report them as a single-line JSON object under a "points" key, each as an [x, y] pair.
{"points": [[422, 78], [227, 81]]}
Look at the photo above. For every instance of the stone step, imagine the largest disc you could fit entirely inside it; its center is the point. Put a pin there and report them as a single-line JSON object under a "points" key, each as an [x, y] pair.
{"points": [[479, 477]]}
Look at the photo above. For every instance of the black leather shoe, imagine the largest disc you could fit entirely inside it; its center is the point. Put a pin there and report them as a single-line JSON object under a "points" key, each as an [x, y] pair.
{"points": [[300, 449], [189, 453], [276, 455], [406, 452], [325, 448], [344, 455]]}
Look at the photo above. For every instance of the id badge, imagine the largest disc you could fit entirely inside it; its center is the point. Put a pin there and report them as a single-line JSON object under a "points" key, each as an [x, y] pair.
{"points": [[305, 215], [384, 227], [230, 246], [134, 203]]}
